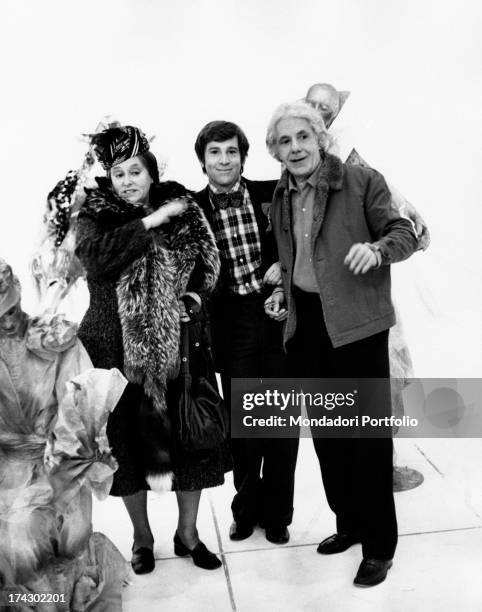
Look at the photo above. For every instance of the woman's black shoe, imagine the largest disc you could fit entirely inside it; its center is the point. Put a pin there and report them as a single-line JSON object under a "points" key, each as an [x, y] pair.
{"points": [[143, 560], [201, 556]]}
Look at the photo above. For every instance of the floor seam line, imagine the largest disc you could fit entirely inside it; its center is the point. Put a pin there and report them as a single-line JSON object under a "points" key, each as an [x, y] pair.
{"points": [[223, 555], [402, 535], [457, 529], [428, 460]]}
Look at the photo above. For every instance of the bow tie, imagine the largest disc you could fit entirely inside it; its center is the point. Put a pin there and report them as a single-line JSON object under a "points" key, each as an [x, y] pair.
{"points": [[225, 200]]}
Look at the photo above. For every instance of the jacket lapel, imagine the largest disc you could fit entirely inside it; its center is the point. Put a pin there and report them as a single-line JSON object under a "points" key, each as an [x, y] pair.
{"points": [[330, 178], [261, 218], [282, 199], [202, 198]]}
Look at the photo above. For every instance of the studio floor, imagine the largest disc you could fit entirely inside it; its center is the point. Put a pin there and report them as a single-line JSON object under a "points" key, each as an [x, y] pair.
{"points": [[438, 564]]}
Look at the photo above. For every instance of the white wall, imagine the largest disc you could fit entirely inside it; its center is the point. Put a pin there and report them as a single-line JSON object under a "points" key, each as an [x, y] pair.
{"points": [[414, 66]]}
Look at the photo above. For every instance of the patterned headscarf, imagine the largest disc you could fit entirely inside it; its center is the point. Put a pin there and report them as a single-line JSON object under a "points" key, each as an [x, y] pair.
{"points": [[117, 144], [10, 291]]}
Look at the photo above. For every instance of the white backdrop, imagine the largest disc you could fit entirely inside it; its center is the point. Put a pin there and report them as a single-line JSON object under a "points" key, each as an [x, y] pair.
{"points": [[413, 67]]}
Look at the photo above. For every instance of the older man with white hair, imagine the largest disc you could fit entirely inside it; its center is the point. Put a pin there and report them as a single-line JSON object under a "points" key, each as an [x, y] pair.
{"points": [[337, 235]]}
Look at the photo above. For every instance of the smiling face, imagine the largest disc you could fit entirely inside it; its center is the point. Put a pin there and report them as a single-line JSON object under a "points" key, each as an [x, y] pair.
{"points": [[297, 146], [222, 163], [131, 181]]}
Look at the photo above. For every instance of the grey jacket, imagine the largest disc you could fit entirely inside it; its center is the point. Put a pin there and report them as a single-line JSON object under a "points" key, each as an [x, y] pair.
{"points": [[352, 204]]}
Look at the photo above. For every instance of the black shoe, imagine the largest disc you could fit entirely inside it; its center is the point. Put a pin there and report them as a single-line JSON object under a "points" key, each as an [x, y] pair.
{"points": [[337, 543], [372, 572], [240, 531], [201, 556], [143, 560], [277, 535]]}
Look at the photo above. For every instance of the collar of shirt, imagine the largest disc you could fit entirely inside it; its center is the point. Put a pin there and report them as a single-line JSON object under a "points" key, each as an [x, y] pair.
{"points": [[235, 187], [312, 180]]}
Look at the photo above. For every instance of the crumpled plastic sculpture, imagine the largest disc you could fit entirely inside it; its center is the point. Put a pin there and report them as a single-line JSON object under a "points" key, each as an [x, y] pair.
{"points": [[53, 453]]}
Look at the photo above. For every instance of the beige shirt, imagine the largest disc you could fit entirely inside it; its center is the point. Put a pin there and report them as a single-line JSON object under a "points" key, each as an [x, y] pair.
{"points": [[302, 203]]}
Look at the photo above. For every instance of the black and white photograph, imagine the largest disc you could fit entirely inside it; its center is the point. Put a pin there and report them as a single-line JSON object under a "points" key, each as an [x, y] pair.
{"points": [[240, 306]]}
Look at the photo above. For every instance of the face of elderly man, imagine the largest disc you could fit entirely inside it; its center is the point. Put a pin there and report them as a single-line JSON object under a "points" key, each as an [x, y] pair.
{"points": [[297, 146], [325, 100]]}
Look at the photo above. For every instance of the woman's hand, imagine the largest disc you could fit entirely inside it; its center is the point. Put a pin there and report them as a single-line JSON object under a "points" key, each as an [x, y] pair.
{"points": [[274, 306], [361, 258], [273, 275], [164, 213]]}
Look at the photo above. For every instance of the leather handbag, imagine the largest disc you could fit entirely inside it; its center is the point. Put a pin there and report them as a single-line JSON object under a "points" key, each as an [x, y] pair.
{"points": [[202, 422]]}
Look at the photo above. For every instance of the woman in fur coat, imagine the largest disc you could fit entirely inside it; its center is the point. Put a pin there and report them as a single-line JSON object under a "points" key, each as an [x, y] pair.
{"points": [[149, 257]]}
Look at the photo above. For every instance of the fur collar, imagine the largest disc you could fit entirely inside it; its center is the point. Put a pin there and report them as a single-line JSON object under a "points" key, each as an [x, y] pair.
{"points": [[330, 174]]}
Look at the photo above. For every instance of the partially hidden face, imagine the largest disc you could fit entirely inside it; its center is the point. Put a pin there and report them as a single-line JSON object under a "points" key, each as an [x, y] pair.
{"points": [[131, 181], [5, 276], [12, 320], [325, 101], [222, 163], [297, 146]]}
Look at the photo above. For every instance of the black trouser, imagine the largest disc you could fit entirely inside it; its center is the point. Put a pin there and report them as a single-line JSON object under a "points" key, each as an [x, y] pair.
{"points": [[263, 469], [357, 473]]}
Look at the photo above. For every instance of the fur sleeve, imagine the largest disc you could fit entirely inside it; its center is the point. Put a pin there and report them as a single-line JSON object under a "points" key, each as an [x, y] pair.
{"points": [[106, 253], [192, 239]]}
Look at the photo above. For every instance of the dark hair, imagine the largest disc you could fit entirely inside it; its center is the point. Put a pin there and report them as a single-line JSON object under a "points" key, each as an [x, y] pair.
{"points": [[150, 162], [219, 131]]}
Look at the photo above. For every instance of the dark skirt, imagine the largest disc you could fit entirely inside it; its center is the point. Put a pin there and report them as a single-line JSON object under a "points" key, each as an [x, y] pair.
{"points": [[192, 471]]}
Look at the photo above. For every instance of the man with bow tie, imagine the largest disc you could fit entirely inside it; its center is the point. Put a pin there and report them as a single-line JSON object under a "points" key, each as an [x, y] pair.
{"points": [[246, 343]]}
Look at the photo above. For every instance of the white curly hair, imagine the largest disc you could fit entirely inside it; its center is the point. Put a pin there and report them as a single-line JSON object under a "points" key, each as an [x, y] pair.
{"points": [[298, 110]]}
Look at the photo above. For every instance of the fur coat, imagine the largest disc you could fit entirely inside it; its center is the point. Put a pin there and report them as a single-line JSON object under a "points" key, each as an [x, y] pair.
{"points": [[144, 274]]}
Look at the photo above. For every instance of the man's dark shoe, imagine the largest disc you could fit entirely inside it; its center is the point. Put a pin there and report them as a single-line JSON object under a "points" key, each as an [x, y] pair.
{"points": [[277, 535], [143, 560], [372, 572], [240, 531], [337, 543]]}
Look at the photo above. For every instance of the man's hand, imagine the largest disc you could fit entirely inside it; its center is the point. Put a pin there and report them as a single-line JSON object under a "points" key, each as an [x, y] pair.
{"points": [[190, 304], [273, 275], [361, 258], [274, 306]]}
